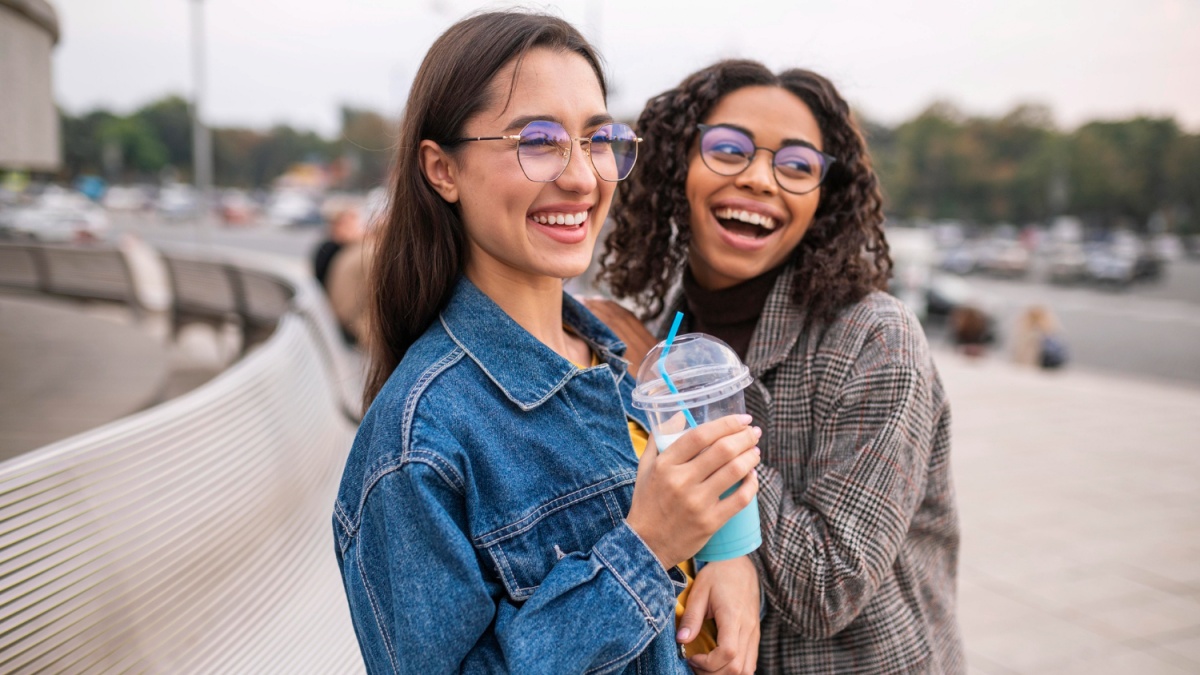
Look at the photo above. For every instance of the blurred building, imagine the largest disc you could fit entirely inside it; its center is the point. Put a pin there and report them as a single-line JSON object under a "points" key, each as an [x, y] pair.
{"points": [[29, 134]]}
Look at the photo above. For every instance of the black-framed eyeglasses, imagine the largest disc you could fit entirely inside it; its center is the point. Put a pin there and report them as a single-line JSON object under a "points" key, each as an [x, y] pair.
{"points": [[799, 168], [544, 150]]}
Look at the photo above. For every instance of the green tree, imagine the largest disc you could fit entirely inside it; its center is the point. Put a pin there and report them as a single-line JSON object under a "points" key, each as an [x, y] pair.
{"points": [[234, 157], [82, 146], [136, 147], [365, 147], [171, 120], [284, 146], [1119, 170]]}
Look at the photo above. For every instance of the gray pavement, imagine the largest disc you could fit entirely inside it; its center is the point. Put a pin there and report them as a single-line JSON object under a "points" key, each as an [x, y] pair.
{"points": [[1080, 502], [66, 371], [68, 367]]}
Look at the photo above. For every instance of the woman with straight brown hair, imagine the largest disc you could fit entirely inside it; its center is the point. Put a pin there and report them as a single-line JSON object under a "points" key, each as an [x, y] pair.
{"points": [[493, 514], [757, 202]]}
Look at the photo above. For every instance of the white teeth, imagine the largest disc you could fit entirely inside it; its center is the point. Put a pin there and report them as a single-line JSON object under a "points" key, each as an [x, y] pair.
{"points": [[561, 218], [763, 221]]}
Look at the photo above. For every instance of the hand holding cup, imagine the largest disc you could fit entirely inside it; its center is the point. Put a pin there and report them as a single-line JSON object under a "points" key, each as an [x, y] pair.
{"points": [[677, 499]]}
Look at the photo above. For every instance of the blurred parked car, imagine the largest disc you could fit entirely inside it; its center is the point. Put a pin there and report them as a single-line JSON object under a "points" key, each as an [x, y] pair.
{"points": [[913, 253], [1004, 257], [127, 198], [286, 208], [1191, 246], [1168, 247], [57, 215], [237, 208], [1066, 263], [961, 259], [178, 201], [1111, 265], [945, 293]]}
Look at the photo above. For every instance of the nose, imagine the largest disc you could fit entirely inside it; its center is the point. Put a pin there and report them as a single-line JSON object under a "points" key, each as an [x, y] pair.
{"points": [[759, 175], [578, 176]]}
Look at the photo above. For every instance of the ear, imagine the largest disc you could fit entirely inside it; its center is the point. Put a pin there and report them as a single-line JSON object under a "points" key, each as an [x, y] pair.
{"points": [[439, 170]]}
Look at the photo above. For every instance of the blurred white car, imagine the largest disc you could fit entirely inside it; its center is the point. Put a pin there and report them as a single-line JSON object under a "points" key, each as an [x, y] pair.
{"points": [[58, 215], [126, 198], [286, 208], [1005, 257], [177, 201], [913, 254], [1066, 263]]}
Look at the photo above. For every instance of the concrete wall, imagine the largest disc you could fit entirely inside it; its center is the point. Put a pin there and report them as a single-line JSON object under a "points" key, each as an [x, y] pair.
{"points": [[29, 129]]}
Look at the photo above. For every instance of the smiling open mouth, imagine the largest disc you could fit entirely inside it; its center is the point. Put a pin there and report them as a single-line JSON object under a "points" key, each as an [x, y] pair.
{"points": [[745, 223], [560, 219]]}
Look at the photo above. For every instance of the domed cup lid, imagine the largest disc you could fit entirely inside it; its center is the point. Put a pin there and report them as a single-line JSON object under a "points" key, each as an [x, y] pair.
{"points": [[701, 368]]}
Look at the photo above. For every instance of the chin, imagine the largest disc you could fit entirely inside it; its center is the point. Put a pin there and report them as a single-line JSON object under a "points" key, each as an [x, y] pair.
{"points": [[737, 270], [566, 271]]}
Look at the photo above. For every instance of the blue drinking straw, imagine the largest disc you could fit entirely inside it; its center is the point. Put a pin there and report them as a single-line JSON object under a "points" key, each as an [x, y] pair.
{"points": [[662, 366]]}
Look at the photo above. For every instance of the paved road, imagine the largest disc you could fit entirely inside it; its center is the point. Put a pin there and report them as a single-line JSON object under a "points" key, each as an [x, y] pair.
{"points": [[1146, 331]]}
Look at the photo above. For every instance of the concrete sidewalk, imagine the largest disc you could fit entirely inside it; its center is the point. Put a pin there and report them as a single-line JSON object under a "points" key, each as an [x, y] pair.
{"points": [[1080, 503], [68, 367]]}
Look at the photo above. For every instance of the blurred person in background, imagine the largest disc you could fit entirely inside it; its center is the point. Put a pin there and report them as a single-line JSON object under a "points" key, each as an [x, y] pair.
{"points": [[758, 198], [346, 284], [971, 330], [345, 227], [493, 514], [1038, 340]]}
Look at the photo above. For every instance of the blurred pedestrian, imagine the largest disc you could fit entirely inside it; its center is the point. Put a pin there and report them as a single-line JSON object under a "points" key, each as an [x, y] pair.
{"points": [[347, 288], [345, 227], [1038, 339], [971, 330], [758, 214]]}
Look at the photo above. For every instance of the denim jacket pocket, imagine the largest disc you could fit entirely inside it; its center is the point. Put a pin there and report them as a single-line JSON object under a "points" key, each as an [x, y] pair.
{"points": [[525, 551]]}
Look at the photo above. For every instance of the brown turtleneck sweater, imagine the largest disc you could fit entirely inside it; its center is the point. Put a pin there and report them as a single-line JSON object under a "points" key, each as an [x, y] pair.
{"points": [[730, 314]]}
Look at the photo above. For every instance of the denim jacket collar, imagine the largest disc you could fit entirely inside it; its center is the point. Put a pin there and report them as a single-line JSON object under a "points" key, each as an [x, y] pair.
{"points": [[525, 369]]}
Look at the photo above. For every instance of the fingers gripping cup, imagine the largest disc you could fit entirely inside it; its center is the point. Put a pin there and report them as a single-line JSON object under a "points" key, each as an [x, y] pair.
{"points": [[687, 381]]}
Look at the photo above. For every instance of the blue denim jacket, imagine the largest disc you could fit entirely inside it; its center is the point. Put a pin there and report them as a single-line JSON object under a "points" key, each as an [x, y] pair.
{"points": [[480, 520]]}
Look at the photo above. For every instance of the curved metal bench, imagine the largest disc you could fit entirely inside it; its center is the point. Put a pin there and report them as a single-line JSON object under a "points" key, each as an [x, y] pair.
{"points": [[194, 536], [77, 272]]}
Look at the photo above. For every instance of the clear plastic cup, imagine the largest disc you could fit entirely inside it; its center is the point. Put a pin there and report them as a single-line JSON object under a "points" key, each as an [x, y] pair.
{"points": [[708, 379]]}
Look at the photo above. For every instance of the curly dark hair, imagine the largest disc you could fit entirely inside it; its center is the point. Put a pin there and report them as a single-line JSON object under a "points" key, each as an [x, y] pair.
{"points": [[843, 255]]}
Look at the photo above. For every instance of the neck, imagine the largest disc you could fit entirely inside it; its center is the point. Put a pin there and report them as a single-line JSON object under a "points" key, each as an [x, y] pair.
{"points": [[533, 301]]}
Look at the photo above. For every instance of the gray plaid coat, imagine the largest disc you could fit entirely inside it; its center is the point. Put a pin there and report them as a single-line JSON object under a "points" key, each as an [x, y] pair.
{"points": [[860, 529]]}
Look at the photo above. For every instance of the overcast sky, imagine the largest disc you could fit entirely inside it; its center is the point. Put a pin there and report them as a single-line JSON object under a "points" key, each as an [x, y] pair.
{"points": [[296, 61]]}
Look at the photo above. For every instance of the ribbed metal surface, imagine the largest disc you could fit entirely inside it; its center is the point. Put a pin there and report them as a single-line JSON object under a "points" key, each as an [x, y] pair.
{"points": [[18, 268], [93, 272], [193, 537], [201, 286], [263, 296]]}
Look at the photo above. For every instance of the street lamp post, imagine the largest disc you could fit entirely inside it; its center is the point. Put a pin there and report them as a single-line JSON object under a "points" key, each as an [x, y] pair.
{"points": [[202, 168]]}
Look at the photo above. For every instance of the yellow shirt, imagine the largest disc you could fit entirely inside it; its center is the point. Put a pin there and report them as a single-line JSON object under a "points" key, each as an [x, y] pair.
{"points": [[706, 641]]}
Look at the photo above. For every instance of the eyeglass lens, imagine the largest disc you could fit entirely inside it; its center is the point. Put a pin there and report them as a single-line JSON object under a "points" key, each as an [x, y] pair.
{"points": [[545, 149], [727, 151]]}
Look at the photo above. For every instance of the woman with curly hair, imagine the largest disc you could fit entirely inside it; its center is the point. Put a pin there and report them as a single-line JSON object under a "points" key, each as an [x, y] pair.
{"points": [[758, 215]]}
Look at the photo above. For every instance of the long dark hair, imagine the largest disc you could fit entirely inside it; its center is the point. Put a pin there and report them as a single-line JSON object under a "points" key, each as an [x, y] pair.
{"points": [[421, 248], [843, 255]]}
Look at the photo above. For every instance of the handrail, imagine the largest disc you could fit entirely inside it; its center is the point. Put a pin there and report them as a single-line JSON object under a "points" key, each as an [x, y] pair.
{"points": [[193, 536]]}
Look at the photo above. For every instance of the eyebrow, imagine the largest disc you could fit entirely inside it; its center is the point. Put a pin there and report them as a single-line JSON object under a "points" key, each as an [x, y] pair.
{"points": [[519, 123], [786, 142]]}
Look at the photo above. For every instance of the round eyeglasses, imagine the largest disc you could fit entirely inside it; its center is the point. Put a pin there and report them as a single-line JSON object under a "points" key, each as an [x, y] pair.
{"points": [[799, 168], [544, 149]]}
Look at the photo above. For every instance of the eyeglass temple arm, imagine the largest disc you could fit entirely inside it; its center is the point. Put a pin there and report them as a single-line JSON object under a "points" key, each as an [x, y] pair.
{"points": [[513, 137]]}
